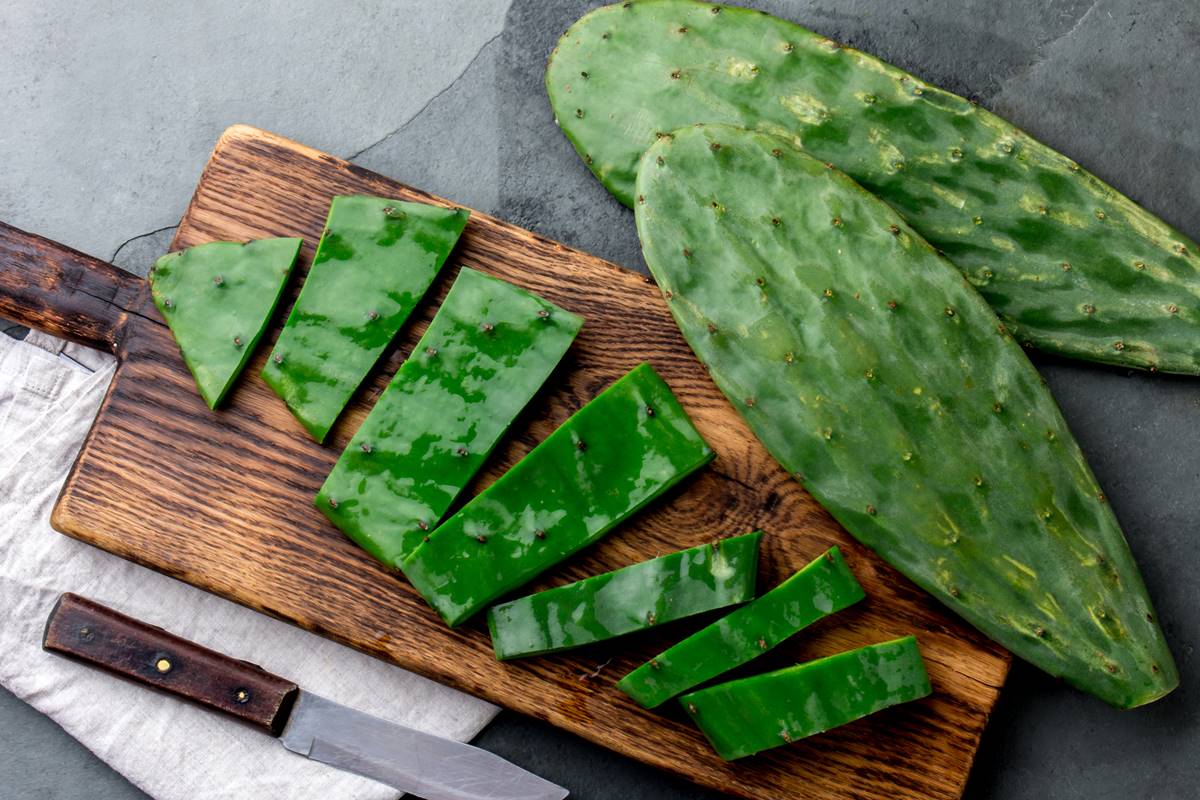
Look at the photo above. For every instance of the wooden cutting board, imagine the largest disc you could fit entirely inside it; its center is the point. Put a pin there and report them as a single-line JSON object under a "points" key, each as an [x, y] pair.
{"points": [[223, 500]]}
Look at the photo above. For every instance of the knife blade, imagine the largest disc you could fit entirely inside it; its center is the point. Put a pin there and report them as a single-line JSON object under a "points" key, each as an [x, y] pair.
{"points": [[407, 759], [352, 740]]}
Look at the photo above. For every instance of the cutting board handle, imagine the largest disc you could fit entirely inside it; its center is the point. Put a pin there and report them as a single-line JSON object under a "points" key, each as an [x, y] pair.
{"points": [[63, 292]]}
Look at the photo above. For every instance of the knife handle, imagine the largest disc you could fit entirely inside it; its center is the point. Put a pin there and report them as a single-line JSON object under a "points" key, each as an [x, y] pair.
{"points": [[99, 636]]}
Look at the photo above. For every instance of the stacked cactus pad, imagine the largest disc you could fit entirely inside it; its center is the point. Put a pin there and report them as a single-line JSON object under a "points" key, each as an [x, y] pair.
{"points": [[872, 372]]}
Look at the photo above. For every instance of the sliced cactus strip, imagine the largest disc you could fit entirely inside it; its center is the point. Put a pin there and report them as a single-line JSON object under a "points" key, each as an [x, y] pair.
{"points": [[375, 262], [747, 716], [217, 298], [612, 457], [822, 588], [1070, 265], [876, 375], [486, 353], [631, 599]]}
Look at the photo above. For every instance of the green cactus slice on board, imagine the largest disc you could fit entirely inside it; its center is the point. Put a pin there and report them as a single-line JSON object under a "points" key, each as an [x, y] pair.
{"points": [[217, 299], [823, 587], [615, 455], [633, 598], [873, 372], [487, 351], [376, 259], [753, 714], [1071, 265]]}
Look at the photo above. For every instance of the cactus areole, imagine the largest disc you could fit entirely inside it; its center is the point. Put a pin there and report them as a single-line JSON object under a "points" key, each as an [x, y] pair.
{"points": [[1071, 265], [376, 259], [612, 457], [747, 716], [878, 377], [822, 588], [487, 351], [217, 299], [631, 599]]}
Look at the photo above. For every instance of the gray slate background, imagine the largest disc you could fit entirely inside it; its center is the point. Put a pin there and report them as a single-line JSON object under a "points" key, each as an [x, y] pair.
{"points": [[110, 109]]}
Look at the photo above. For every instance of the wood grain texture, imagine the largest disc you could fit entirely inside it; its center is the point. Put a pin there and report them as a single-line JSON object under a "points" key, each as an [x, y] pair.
{"points": [[61, 291], [224, 501], [87, 631]]}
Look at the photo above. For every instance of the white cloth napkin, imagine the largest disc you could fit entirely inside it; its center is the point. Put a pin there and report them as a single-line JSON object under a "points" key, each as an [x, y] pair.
{"points": [[49, 394]]}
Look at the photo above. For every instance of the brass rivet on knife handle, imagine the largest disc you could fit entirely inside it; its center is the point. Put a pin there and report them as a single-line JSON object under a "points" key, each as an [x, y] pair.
{"points": [[89, 632]]}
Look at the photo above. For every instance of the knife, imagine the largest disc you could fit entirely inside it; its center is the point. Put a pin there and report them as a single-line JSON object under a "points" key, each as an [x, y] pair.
{"points": [[409, 760]]}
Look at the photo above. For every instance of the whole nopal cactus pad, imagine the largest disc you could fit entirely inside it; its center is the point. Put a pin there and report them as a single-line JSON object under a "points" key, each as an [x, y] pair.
{"points": [[1071, 265], [877, 376]]}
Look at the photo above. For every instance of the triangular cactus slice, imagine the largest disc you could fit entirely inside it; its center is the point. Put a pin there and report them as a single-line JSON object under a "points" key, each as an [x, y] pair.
{"points": [[876, 375], [217, 298], [374, 263]]}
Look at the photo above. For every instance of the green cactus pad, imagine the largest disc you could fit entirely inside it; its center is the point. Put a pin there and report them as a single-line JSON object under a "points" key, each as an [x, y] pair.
{"points": [[633, 598], [824, 587], [627, 446], [876, 375], [1070, 265], [374, 263], [217, 298], [487, 351], [750, 715]]}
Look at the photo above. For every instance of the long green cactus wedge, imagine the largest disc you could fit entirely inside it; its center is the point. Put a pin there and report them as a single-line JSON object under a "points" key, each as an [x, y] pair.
{"points": [[872, 371], [375, 261], [822, 588], [1069, 264], [217, 299], [631, 599], [612, 457], [747, 716], [487, 351]]}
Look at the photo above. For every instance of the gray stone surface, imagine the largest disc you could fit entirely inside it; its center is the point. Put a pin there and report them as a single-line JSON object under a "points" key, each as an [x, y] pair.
{"points": [[111, 109]]}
